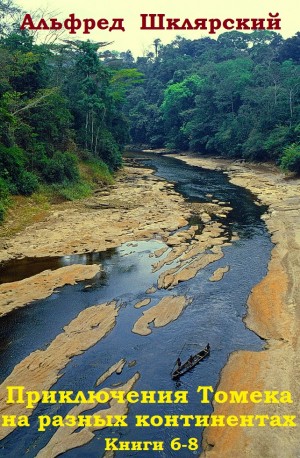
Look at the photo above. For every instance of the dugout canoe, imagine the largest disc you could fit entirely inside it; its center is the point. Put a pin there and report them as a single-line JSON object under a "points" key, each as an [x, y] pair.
{"points": [[190, 363]]}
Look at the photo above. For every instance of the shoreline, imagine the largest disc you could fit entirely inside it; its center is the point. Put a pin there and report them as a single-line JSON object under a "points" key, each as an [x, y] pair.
{"points": [[169, 211], [272, 313], [139, 207], [142, 206], [106, 220], [92, 225]]}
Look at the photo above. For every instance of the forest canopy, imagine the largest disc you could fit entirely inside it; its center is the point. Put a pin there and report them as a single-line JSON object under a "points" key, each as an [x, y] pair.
{"points": [[237, 96], [61, 102], [67, 101]]}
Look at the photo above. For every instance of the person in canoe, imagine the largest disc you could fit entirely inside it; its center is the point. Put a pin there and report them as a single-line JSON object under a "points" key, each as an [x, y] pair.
{"points": [[190, 363]]}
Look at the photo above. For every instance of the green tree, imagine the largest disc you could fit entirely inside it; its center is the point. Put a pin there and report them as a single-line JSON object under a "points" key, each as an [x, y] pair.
{"points": [[290, 159], [178, 98]]}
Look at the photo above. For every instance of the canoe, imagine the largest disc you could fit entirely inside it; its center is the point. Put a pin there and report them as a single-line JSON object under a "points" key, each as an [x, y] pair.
{"points": [[189, 364]]}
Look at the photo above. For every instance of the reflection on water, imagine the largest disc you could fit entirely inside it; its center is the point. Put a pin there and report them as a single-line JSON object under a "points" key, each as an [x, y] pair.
{"points": [[214, 315], [18, 269]]}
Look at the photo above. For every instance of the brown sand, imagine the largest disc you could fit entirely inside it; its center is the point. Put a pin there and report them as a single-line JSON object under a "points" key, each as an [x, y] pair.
{"points": [[219, 273], [65, 438], [117, 367], [163, 313], [173, 277], [153, 208], [273, 313], [137, 207], [142, 303], [20, 293], [41, 369]]}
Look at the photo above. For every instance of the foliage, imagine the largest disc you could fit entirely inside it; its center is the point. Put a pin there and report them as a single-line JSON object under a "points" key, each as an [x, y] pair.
{"points": [[238, 96], [108, 149], [290, 159], [28, 183], [57, 100], [96, 94], [124, 79], [12, 169], [59, 168], [2, 211], [96, 172], [92, 172], [4, 190], [72, 191], [4, 198]]}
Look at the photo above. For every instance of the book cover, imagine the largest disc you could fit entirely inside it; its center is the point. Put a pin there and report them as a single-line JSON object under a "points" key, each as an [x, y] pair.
{"points": [[149, 238]]}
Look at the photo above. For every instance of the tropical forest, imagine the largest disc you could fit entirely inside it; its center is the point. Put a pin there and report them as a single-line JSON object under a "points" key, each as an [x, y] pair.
{"points": [[149, 240], [69, 107]]}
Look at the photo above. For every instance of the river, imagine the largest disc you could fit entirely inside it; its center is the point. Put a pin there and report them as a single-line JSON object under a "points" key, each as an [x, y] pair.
{"points": [[215, 315]]}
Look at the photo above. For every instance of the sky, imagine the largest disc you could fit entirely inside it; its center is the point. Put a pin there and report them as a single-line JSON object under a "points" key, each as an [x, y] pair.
{"points": [[140, 41]]}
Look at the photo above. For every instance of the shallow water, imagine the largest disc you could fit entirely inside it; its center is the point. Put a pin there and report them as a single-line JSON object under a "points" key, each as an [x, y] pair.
{"points": [[215, 316]]}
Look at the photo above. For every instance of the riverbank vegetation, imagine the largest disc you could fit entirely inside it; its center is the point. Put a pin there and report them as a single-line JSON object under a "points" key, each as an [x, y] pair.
{"points": [[68, 107], [235, 96], [61, 119]]}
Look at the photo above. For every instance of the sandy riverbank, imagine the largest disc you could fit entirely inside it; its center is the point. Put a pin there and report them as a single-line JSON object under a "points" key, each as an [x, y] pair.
{"points": [[42, 368], [273, 313], [19, 293], [139, 206]]}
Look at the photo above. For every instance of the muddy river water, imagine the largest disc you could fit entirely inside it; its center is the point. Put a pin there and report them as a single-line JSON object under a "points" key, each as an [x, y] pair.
{"points": [[215, 315]]}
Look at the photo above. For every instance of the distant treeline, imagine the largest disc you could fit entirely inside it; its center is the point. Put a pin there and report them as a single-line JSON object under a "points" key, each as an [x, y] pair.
{"points": [[237, 96]]}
